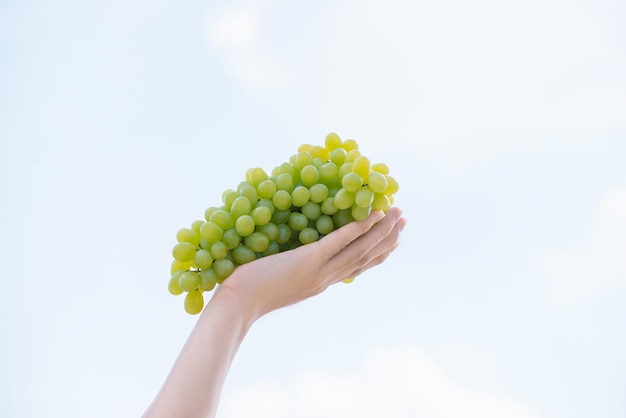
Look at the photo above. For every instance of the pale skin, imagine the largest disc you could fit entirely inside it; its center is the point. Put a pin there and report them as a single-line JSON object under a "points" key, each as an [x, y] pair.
{"points": [[195, 382]]}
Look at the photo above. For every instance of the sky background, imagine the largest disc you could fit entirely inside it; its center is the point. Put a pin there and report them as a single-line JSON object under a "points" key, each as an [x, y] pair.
{"points": [[504, 123]]}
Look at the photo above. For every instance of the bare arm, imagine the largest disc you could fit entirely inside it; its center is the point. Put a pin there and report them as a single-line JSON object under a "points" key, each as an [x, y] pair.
{"points": [[195, 382]]}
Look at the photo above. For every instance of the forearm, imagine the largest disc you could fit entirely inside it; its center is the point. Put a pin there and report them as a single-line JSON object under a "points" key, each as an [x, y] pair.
{"points": [[194, 384]]}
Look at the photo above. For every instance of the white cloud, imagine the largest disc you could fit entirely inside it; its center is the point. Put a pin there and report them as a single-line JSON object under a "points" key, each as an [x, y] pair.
{"points": [[402, 382], [599, 266]]}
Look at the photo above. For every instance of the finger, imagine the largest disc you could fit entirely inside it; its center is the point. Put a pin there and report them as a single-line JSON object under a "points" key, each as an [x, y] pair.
{"points": [[384, 246], [359, 248], [337, 240], [371, 263]]}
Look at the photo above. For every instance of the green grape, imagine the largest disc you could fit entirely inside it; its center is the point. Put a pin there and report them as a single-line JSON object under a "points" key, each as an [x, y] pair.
{"points": [[305, 147], [282, 199], [364, 198], [309, 175], [361, 166], [284, 182], [359, 213], [324, 224], [319, 152], [351, 182], [318, 162], [257, 242], [243, 254], [273, 248], [173, 286], [228, 196], [288, 168], [284, 233], [204, 244], [218, 251], [261, 215], [344, 199], [267, 203], [231, 238], [328, 172], [195, 226], [249, 191], [349, 145], [223, 268], [332, 141], [188, 281], [222, 219], [207, 280], [255, 176], [380, 168], [328, 206], [208, 212], [188, 235], [179, 265], [300, 196], [303, 158], [211, 232], [308, 235], [392, 186], [338, 156], [194, 302], [184, 251], [297, 221], [380, 202], [280, 217], [266, 189], [203, 259], [240, 206], [342, 217], [344, 169], [271, 230], [318, 192], [352, 155], [312, 211], [377, 182], [245, 225]]}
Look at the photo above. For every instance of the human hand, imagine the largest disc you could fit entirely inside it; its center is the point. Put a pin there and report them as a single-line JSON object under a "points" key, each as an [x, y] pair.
{"points": [[286, 278]]}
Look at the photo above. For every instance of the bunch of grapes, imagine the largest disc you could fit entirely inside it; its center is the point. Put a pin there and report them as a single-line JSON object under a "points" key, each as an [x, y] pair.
{"points": [[319, 189]]}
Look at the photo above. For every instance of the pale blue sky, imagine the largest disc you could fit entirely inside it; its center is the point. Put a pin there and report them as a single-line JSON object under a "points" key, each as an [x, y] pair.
{"points": [[505, 124]]}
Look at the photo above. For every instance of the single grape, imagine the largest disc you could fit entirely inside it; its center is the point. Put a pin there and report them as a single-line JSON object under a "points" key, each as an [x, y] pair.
{"points": [[297, 221], [267, 203], [380, 202], [188, 235], [249, 191], [344, 169], [194, 302], [245, 225], [231, 238], [223, 268], [308, 235], [266, 189], [228, 196], [328, 206], [380, 168], [317, 151], [173, 286], [188, 281], [364, 198], [349, 144], [338, 156], [342, 217], [222, 219], [361, 166], [377, 182], [352, 182], [312, 211], [257, 242], [270, 229], [324, 224], [284, 233], [332, 141], [280, 217], [359, 213], [218, 250], [255, 176], [207, 280], [282, 199], [241, 206], [178, 265], [353, 155], [305, 147], [261, 215], [344, 199], [211, 232], [300, 196], [309, 175], [328, 172], [203, 259], [392, 186], [303, 158], [284, 182], [288, 168], [184, 251], [208, 212], [318, 192], [195, 225], [243, 254], [273, 248]]}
